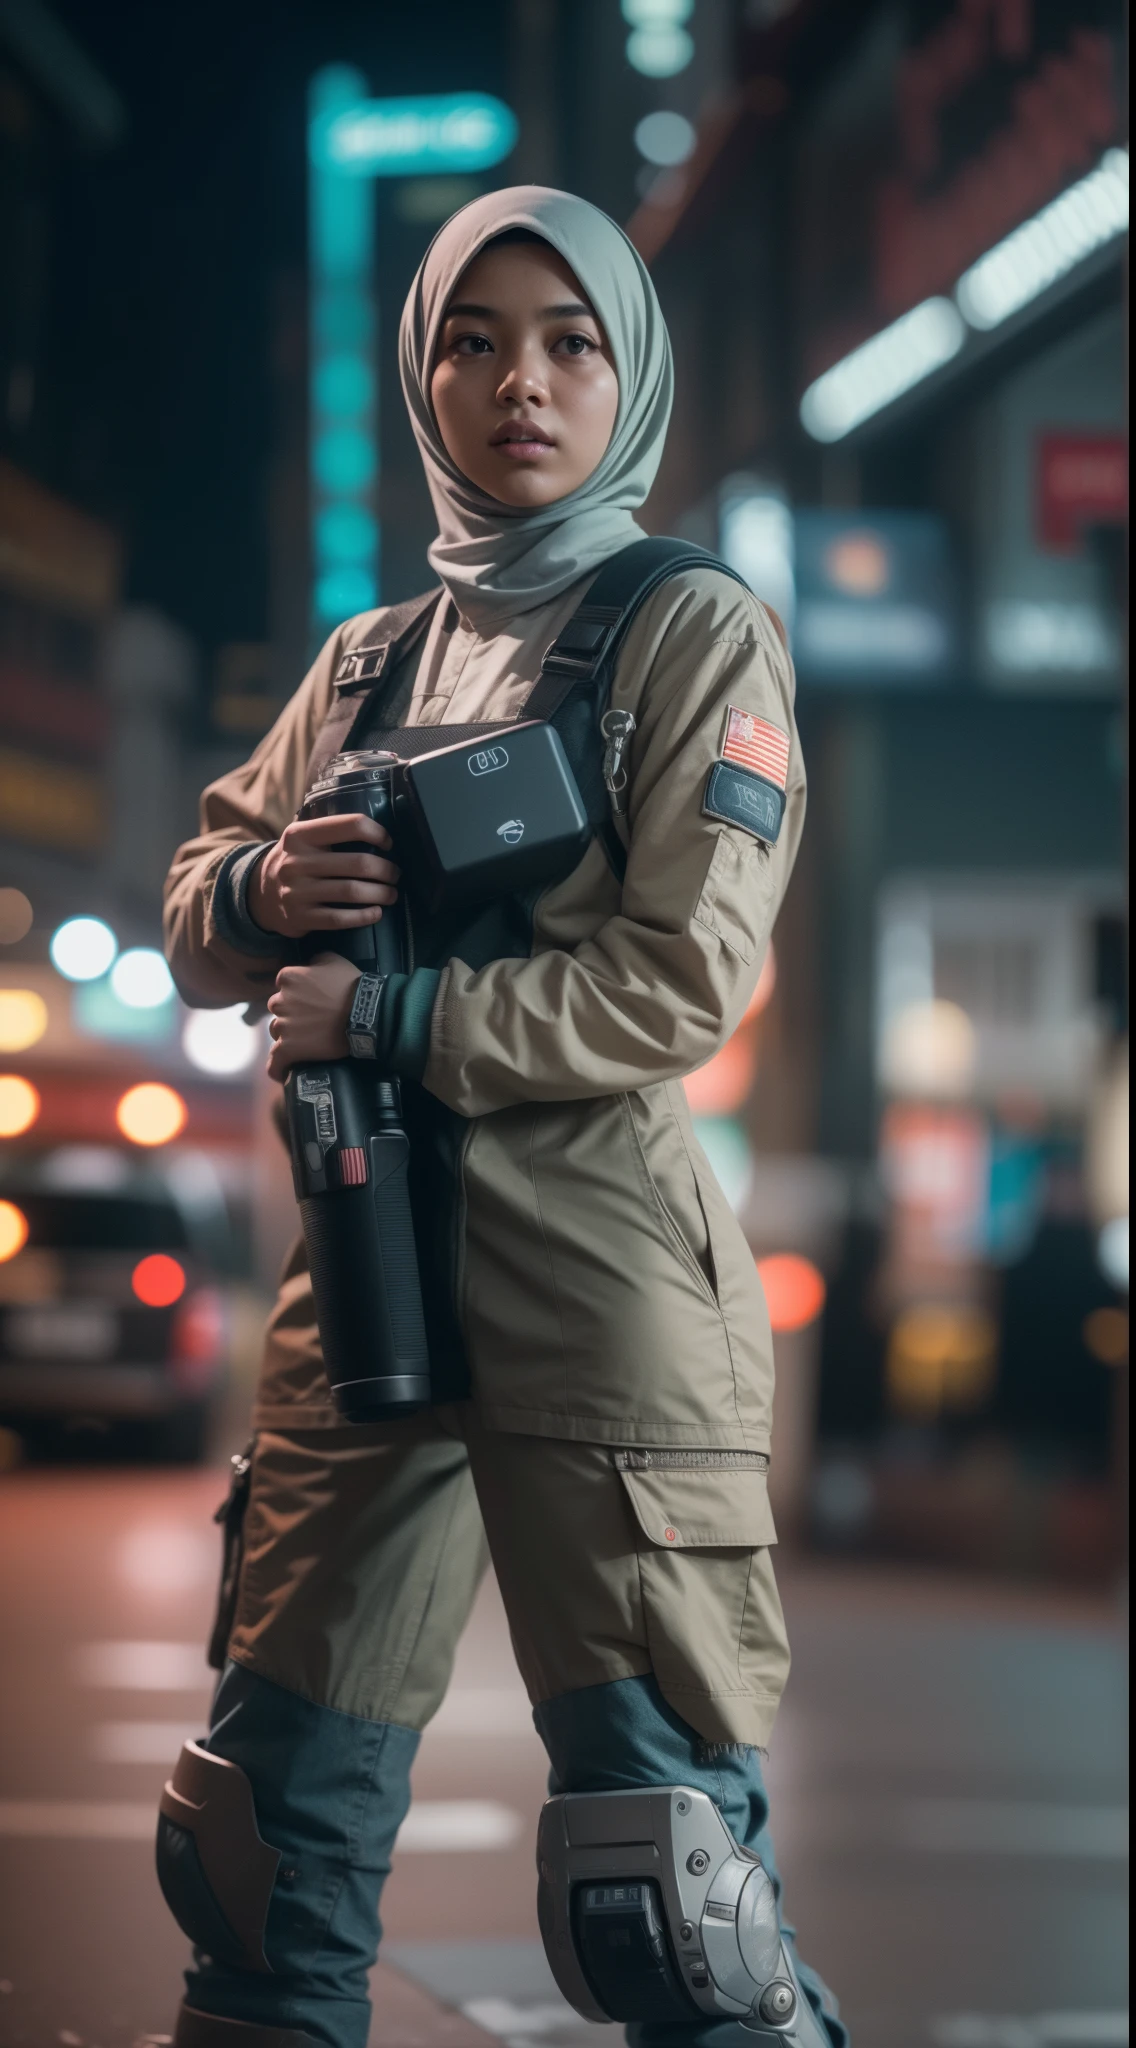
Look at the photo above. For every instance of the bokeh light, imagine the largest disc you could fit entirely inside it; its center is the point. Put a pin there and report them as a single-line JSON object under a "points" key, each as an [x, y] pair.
{"points": [[19, 1105], [665, 138], [1105, 1332], [929, 1050], [83, 948], [219, 1041], [141, 979], [660, 52], [158, 1280], [13, 1230], [151, 1114], [15, 916], [1112, 1251], [941, 1356], [23, 1019], [794, 1290], [721, 1086], [766, 983]]}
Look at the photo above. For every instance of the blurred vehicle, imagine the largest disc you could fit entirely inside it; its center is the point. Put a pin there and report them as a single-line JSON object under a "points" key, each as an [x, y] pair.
{"points": [[113, 1310]]}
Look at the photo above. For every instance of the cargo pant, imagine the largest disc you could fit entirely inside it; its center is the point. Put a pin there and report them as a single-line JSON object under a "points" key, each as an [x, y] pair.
{"points": [[645, 1621]]}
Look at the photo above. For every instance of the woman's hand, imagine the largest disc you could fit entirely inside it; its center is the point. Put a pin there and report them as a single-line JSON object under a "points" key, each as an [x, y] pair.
{"points": [[301, 886], [308, 1012]]}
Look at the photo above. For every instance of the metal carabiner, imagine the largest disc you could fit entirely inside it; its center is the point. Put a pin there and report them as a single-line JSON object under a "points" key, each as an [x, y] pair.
{"points": [[617, 728]]}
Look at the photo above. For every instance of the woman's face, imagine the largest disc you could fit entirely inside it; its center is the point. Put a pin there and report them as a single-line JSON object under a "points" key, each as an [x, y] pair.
{"points": [[524, 389]]}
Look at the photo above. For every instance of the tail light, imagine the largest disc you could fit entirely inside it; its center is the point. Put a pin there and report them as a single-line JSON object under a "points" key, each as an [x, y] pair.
{"points": [[198, 1340]]}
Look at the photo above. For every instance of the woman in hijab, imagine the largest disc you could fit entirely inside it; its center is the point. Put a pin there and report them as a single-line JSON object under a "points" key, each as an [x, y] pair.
{"points": [[600, 1348]]}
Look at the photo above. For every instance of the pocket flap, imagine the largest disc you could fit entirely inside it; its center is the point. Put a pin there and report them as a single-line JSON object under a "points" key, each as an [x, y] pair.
{"points": [[689, 1500]]}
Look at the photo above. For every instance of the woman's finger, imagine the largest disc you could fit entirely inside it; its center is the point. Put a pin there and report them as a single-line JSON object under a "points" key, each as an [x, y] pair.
{"points": [[352, 867], [345, 895], [335, 920], [326, 831]]}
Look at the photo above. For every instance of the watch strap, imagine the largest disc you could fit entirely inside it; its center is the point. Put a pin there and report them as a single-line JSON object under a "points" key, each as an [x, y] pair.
{"points": [[361, 1039]]}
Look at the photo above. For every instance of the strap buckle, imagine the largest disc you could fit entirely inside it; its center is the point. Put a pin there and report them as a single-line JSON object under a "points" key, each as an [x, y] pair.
{"points": [[580, 646], [361, 665]]}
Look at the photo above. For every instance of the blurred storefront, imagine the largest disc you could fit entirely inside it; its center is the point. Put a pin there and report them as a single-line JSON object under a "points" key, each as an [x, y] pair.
{"points": [[101, 1067], [893, 268]]}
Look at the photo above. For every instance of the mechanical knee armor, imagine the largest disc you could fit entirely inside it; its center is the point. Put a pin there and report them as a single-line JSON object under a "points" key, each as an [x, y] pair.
{"points": [[215, 1869], [650, 1910]]}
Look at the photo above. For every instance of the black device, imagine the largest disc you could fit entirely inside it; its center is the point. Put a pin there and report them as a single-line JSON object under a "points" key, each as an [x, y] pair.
{"points": [[350, 1156], [489, 817]]}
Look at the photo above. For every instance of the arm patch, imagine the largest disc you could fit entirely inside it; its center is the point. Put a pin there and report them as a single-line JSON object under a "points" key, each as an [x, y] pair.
{"points": [[742, 798]]}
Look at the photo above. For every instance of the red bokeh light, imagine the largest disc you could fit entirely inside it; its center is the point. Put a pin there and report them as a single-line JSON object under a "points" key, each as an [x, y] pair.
{"points": [[158, 1280], [794, 1290], [198, 1340]]}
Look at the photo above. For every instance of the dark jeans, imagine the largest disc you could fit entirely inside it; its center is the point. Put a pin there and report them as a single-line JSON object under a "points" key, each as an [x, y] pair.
{"points": [[332, 1789]]}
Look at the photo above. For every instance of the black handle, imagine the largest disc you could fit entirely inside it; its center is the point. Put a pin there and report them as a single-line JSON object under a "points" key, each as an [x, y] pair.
{"points": [[350, 1160]]}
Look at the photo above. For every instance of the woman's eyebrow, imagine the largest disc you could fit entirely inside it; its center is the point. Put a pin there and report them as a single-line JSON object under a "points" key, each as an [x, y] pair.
{"points": [[572, 309]]}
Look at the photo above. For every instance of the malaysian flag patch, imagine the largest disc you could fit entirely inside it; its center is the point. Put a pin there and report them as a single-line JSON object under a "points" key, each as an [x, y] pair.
{"points": [[755, 744]]}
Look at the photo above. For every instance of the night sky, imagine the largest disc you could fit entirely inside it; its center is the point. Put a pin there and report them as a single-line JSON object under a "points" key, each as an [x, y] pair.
{"points": [[175, 252]]}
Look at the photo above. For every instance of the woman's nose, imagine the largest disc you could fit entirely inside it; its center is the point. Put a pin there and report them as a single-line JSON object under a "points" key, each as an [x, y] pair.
{"points": [[524, 378]]}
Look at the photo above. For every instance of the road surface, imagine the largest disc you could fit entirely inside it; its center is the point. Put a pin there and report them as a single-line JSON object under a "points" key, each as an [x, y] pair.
{"points": [[947, 1772]]}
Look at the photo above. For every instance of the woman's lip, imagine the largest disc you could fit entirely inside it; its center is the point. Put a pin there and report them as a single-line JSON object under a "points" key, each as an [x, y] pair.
{"points": [[522, 448], [524, 432]]}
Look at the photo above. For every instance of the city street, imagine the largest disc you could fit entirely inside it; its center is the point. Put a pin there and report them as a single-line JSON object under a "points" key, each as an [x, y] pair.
{"points": [[948, 1776]]}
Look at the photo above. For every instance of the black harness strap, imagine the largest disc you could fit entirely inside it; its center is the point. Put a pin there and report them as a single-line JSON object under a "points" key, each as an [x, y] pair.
{"points": [[363, 673], [586, 650], [578, 669]]}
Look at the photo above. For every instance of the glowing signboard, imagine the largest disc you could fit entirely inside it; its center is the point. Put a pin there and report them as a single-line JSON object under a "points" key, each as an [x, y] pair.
{"points": [[412, 138]]}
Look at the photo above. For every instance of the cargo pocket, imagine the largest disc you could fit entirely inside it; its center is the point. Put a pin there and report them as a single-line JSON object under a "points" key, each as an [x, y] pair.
{"points": [[712, 1617], [231, 1516]]}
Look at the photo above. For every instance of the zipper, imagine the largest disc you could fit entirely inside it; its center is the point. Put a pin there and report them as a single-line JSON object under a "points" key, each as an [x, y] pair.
{"points": [[691, 1461]]}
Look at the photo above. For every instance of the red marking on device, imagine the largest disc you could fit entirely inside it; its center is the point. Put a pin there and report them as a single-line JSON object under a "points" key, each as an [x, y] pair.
{"points": [[352, 1166]]}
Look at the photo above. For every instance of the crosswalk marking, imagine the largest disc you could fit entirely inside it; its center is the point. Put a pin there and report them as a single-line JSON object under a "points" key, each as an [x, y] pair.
{"points": [[144, 1666], [1015, 1827], [1039, 2030]]}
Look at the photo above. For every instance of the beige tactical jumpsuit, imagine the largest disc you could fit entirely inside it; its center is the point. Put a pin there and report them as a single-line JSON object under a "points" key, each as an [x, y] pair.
{"points": [[617, 1442]]}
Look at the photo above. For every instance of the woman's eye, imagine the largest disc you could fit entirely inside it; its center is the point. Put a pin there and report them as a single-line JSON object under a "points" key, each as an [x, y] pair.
{"points": [[472, 345], [576, 344]]}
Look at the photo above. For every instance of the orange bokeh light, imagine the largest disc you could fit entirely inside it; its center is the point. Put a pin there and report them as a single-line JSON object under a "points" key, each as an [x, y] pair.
{"points": [[794, 1290], [19, 1105], [722, 1085], [151, 1114], [13, 1230], [158, 1280], [766, 983]]}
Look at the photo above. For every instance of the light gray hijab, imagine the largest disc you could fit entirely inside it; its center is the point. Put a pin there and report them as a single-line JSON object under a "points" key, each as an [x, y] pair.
{"points": [[497, 562]]}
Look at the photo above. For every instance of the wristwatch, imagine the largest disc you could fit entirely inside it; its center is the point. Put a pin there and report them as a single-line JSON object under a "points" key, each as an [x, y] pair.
{"points": [[361, 1040]]}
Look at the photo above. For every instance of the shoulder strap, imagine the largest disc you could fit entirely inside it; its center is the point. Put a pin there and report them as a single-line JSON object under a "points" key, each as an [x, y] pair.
{"points": [[585, 651], [576, 673], [363, 672]]}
